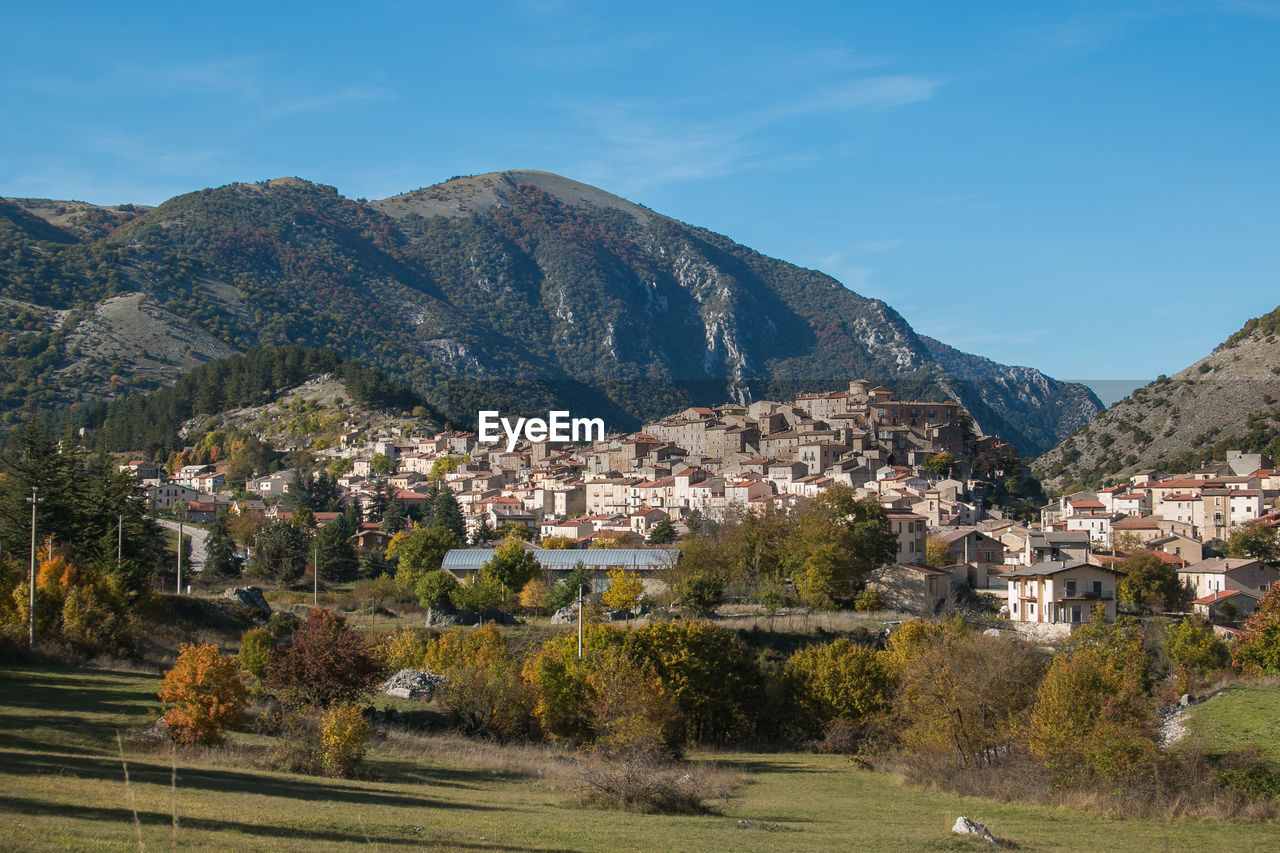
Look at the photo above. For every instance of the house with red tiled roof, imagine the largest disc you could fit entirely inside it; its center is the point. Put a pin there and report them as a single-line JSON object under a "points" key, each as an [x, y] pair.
{"points": [[1228, 605]]}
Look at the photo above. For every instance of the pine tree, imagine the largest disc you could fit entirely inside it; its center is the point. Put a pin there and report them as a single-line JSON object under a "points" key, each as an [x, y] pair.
{"points": [[448, 514], [219, 550]]}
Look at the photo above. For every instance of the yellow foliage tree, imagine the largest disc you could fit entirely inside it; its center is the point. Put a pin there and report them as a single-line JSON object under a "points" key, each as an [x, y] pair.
{"points": [[534, 595], [624, 592]]}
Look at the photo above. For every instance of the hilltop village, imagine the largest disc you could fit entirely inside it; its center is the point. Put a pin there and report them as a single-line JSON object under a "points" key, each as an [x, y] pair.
{"points": [[965, 512]]}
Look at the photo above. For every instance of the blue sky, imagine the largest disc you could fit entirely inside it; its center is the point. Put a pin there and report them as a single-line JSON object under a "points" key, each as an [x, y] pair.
{"points": [[1090, 188]]}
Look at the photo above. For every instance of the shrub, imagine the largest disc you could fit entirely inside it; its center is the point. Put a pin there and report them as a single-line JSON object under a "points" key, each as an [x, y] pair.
{"points": [[700, 593], [434, 589], [344, 737], [1192, 647], [961, 696], [256, 649], [708, 671], [644, 782], [204, 695], [868, 601], [326, 662], [401, 649], [834, 681], [1092, 714], [484, 692], [480, 593], [558, 678]]}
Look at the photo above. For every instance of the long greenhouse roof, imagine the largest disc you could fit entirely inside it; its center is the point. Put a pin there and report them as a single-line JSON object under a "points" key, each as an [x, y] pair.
{"points": [[470, 559]]}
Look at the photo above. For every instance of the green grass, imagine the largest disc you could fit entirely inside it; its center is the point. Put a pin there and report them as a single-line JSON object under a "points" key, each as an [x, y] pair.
{"points": [[1244, 717], [62, 787]]}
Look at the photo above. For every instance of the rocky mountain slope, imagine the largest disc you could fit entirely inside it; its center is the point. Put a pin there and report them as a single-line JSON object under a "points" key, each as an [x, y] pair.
{"points": [[1228, 400], [516, 289]]}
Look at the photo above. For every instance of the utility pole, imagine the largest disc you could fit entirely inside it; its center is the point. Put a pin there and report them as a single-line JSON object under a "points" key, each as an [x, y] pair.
{"points": [[31, 610], [315, 576], [579, 621], [119, 540], [179, 558]]}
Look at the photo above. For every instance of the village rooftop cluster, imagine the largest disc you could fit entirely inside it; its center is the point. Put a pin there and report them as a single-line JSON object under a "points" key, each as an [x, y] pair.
{"points": [[704, 462]]}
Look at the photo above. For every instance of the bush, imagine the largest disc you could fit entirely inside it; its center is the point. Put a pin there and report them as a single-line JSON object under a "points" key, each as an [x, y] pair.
{"points": [[835, 681], [708, 671], [868, 601], [401, 649], [701, 593], [434, 589], [1092, 714], [644, 782], [480, 593], [344, 736], [326, 662], [256, 649], [204, 695], [485, 693], [962, 696]]}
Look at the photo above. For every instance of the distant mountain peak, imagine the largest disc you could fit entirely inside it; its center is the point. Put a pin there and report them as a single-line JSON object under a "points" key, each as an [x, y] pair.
{"points": [[464, 196]]}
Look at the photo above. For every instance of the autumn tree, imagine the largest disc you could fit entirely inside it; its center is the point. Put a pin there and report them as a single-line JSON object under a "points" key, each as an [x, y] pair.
{"points": [[326, 662], [203, 695], [835, 681], [624, 592], [1093, 714], [534, 595], [938, 553], [1256, 650]]}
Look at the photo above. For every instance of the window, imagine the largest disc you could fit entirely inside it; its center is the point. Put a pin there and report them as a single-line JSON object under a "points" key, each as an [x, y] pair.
{"points": [[1097, 588], [1071, 589], [1075, 613]]}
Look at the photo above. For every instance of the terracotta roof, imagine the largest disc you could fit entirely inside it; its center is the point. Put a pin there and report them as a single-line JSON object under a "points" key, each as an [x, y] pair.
{"points": [[1215, 597]]}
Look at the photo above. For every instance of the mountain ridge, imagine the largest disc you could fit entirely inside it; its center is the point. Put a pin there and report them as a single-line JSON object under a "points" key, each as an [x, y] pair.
{"points": [[1230, 399], [526, 286]]}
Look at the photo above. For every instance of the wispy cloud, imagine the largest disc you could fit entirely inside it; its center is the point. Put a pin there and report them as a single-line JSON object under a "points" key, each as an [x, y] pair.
{"points": [[647, 141], [344, 95], [876, 247]]}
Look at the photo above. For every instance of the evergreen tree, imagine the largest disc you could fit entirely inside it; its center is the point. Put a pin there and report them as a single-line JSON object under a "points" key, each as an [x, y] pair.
{"points": [[281, 552], [484, 533], [663, 533], [335, 554], [448, 514], [219, 550]]}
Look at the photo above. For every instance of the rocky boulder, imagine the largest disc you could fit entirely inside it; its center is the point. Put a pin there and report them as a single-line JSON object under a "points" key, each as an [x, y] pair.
{"points": [[493, 614], [250, 598], [451, 618], [964, 826], [413, 684], [565, 615]]}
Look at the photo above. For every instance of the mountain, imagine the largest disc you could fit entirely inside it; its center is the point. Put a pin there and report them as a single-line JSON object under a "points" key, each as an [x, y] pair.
{"points": [[516, 290], [1230, 399]]}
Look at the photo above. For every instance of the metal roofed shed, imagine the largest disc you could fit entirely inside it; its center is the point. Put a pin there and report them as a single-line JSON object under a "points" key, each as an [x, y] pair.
{"points": [[466, 560]]}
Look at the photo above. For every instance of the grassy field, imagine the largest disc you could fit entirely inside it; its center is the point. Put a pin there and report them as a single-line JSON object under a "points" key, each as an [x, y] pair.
{"points": [[1243, 717], [62, 787]]}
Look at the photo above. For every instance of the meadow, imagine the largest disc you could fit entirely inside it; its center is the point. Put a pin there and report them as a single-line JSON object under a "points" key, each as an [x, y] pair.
{"points": [[63, 784]]}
